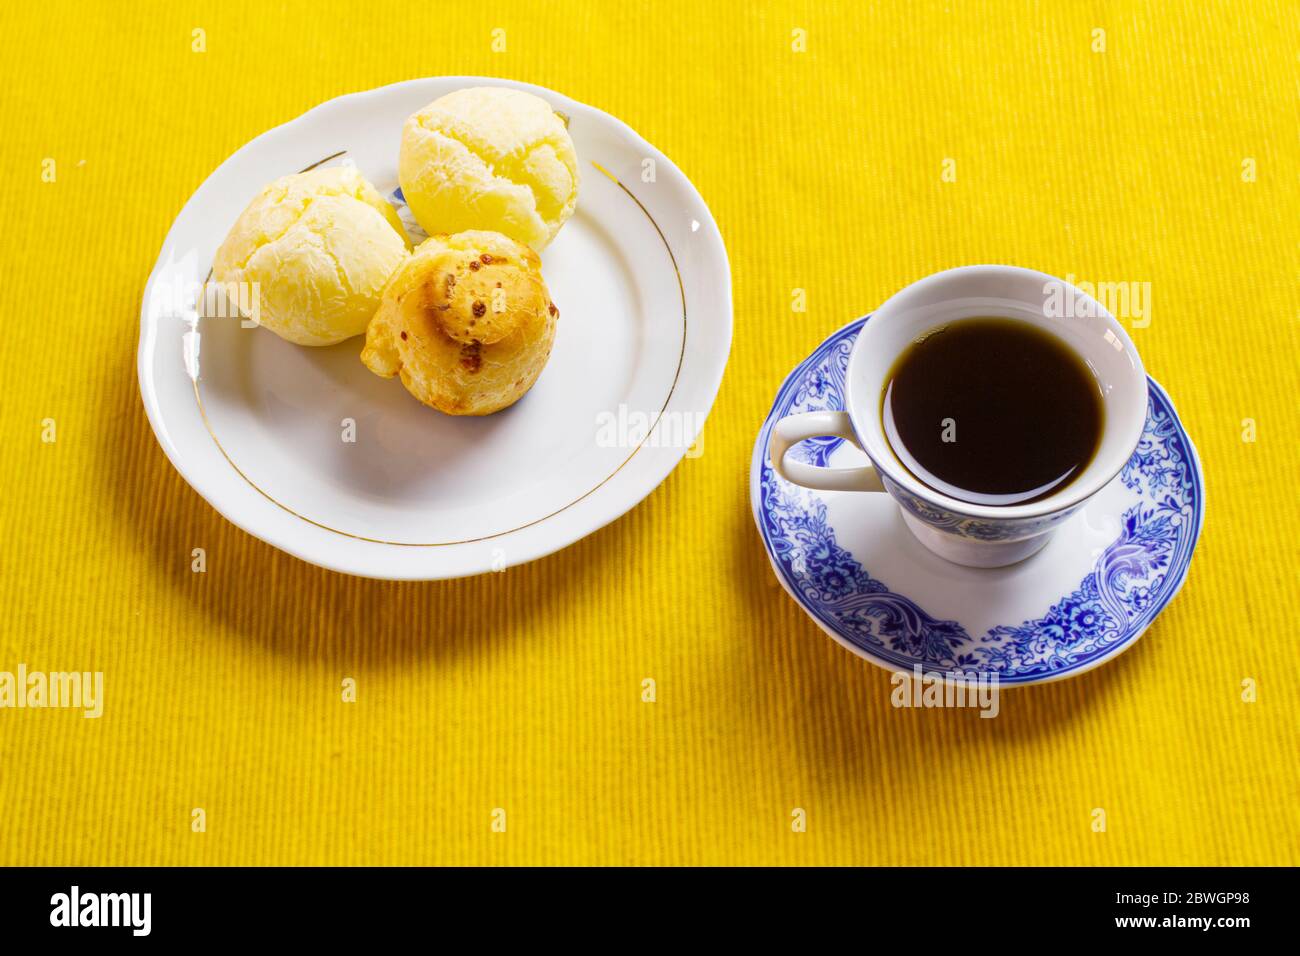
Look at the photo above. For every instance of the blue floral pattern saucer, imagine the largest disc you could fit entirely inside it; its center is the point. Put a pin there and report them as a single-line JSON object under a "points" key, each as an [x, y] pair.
{"points": [[847, 559]]}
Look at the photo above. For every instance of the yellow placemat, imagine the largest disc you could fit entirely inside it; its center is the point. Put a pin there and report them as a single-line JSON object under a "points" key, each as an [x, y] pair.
{"points": [[845, 150]]}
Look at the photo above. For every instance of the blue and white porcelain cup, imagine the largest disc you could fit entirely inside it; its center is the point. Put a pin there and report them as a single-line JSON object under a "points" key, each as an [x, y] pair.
{"points": [[982, 536]]}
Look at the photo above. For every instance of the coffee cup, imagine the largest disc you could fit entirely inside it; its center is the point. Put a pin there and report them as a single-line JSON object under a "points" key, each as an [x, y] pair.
{"points": [[975, 535]]}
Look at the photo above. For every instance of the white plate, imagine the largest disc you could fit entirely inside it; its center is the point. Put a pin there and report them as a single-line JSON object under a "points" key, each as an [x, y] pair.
{"points": [[257, 426]]}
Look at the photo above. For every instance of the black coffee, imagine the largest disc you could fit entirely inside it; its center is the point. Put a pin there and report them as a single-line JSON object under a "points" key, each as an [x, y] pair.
{"points": [[992, 411]]}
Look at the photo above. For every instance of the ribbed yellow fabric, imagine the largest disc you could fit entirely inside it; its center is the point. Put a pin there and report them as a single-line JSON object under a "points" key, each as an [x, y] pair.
{"points": [[1168, 157]]}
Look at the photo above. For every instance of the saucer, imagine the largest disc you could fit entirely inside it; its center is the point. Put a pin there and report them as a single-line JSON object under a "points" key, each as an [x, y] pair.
{"points": [[850, 562]]}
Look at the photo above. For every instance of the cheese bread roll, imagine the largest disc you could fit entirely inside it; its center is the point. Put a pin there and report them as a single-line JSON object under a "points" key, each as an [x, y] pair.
{"points": [[466, 322], [489, 158], [320, 246]]}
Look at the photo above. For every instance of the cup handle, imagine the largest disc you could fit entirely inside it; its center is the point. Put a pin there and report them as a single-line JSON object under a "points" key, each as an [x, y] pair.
{"points": [[796, 428]]}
